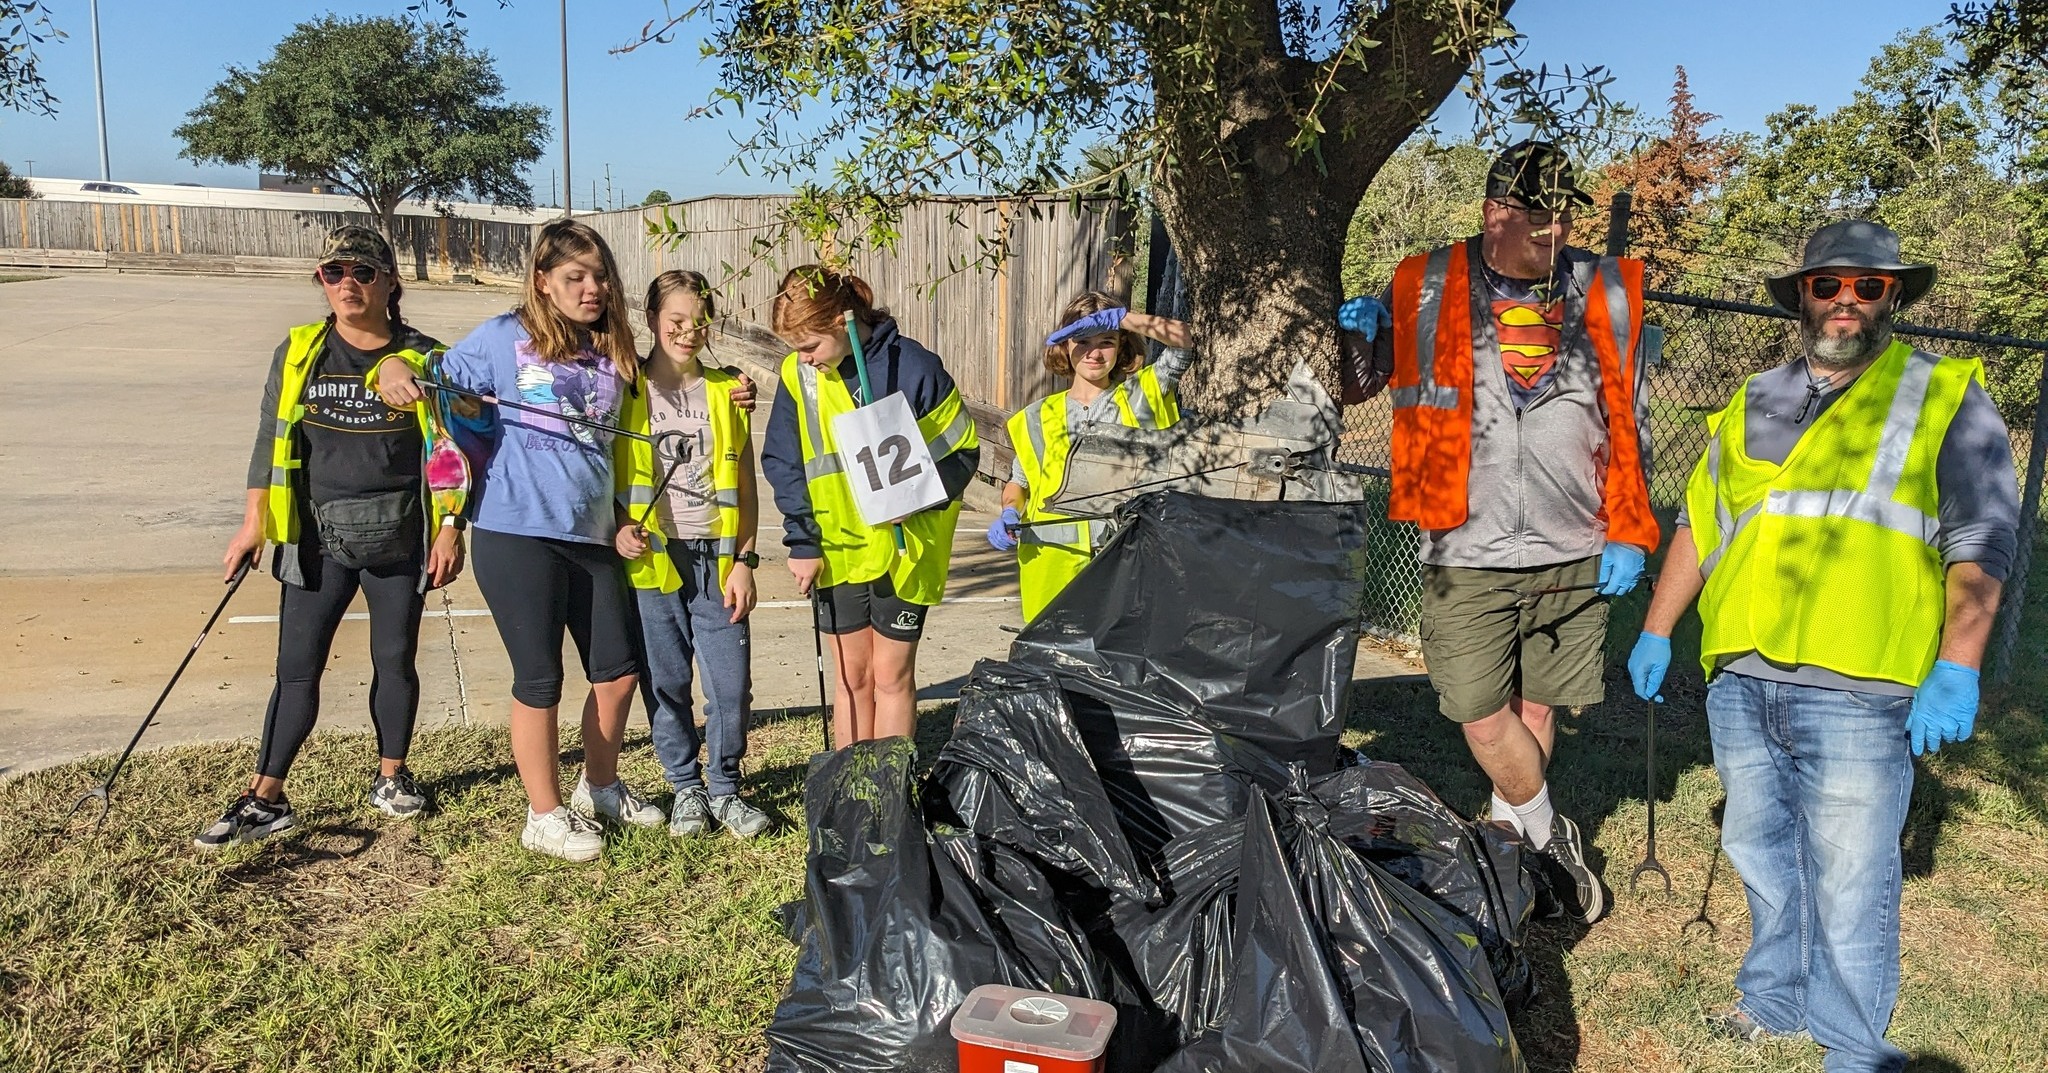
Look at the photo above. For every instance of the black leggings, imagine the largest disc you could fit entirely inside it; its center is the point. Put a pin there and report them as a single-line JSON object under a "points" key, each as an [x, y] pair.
{"points": [[306, 621], [536, 587]]}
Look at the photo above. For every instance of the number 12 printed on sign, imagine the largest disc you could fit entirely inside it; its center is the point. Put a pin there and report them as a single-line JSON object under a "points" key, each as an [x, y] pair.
{"points": [[888, 465]]}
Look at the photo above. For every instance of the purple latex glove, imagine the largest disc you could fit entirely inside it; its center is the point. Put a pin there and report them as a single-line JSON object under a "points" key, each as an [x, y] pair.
{"points": [[1107, 320]]}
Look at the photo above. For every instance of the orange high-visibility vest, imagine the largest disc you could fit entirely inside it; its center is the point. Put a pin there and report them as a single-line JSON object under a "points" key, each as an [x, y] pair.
{"points": [[1432, 391]]}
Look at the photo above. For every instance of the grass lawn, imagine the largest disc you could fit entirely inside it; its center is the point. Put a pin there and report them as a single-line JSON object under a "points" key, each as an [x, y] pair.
{"points": [[7, 277], [359, 943]]}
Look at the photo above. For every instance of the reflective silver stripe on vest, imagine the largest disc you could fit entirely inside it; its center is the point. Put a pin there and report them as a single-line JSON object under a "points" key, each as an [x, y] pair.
{"points": [[826, 462], [1874, 503], [950, 437], [1442, 398], [1140, 403], [639, 495], [1063, 533], [281, 475], [1429, 304], [1034, 430], [728, 546], [1618, 316], [1860, 506], [726, 497], [1899, 424]]}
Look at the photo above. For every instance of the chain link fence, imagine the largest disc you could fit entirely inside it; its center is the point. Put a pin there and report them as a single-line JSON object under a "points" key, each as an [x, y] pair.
{"points": [[1709, 346]]}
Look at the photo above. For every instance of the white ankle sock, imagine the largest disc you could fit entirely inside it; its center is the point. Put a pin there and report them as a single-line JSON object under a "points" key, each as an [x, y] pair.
{"points": [[1505, 813], [1536, 815]]}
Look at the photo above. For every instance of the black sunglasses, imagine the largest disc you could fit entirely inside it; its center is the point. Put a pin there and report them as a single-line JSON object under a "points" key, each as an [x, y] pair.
{"points": [[1866, 288], [331, 273], [1541, 217]]}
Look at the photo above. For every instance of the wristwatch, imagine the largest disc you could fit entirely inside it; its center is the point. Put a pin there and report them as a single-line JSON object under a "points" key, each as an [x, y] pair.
{"points": [[751, 560], [458, 521]]}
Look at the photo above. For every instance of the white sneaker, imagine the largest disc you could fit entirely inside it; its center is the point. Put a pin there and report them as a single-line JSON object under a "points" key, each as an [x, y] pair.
{"points": [[563, 833], [615, 801]]}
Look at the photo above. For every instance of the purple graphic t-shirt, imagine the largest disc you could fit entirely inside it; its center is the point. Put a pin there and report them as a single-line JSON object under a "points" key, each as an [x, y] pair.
{"points": [[540, 476]]}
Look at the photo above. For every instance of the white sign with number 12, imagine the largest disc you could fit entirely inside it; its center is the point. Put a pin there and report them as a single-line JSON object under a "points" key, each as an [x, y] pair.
{"points": [[886, 461]]}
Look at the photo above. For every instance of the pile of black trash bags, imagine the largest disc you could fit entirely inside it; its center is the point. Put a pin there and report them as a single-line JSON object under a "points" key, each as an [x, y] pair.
{"points": [[1147, 804]]}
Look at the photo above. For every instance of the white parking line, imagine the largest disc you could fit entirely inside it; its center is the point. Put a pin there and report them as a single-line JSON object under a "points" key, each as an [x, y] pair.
{"points": [[779, 605]]}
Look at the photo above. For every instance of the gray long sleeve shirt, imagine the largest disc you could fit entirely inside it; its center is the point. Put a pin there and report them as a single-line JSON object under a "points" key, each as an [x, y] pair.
{"points": [[1979, 492]]}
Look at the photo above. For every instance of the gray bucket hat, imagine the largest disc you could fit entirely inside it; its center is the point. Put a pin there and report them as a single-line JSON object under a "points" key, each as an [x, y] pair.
{"points": [[1853, 244]]}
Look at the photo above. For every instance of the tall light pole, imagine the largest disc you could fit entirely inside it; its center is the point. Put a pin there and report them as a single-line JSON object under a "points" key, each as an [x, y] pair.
{"points": [[568, 187], [99, 90]]}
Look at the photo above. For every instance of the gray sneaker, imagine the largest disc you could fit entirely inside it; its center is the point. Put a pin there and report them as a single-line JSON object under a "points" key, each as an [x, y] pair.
{"points": [[615, 801], [249, 819], [564, 833], [735, 815], [691, 814], [397, 795]]}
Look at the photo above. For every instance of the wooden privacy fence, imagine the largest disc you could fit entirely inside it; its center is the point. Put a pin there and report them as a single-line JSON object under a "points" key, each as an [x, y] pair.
{"points": [[142, 235], [989, 324]]}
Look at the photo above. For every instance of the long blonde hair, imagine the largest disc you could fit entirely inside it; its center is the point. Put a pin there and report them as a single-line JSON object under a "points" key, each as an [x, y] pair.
{"points": [[556, 337]]}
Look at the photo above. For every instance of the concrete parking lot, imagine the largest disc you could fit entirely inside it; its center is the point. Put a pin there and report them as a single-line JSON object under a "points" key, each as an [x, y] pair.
{"points": [[125, 433]]}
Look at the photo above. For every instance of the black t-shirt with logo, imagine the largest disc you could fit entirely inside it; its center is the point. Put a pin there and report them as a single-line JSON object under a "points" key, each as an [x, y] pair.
{"points": [[356, 446]]}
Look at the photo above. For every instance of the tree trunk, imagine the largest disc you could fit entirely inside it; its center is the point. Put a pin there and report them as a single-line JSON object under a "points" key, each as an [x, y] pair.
{"points": [[1262, 264]]}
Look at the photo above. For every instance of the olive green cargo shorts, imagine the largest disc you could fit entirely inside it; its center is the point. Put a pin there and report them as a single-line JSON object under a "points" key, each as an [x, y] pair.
{"points": [[1482, 649]]}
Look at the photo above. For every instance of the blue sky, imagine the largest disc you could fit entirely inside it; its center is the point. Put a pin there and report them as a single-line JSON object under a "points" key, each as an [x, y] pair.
{"points": [[1746, 59]]}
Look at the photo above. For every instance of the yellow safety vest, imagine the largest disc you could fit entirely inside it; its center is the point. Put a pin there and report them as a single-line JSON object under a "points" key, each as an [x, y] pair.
{"points": [[1050, 556], [634, 470], [855, 552], [281, 518], [1829, 560]]}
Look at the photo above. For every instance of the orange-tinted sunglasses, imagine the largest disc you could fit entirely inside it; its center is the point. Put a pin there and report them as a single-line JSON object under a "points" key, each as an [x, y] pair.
{"points": [[1866, 288]]}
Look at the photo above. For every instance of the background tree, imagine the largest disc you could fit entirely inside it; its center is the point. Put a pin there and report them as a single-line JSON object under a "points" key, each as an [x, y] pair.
{"points": [[1672, 182], [1425, 195], [656, 196], [12, 185], [1254, 125], [385, 109]]}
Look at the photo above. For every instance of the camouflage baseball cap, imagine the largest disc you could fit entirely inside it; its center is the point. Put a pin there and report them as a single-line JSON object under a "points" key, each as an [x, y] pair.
{"points": [[1538, 174], [354, 242]]}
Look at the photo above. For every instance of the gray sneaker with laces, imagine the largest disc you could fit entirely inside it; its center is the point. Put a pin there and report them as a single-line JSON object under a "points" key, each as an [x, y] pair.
{"points": [[691, 814], [738, 817], [249, 819], [397, 795]]}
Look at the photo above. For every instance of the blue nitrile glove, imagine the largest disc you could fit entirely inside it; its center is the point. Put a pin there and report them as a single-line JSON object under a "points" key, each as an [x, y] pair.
{"points": [[1107, 320], [1002, 533], [1621, 566], [1364, 315], [1648, 664], [1944, 707]]}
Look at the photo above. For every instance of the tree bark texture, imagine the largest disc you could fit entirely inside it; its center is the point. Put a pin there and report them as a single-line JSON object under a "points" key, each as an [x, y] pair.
{"points": [[1260, 229]]}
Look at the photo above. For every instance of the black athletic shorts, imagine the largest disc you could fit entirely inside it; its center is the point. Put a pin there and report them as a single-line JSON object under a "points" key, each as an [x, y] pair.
{"points": [[869, 605]]}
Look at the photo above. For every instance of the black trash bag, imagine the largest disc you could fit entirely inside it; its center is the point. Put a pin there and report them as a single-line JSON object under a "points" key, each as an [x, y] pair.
{"points": [[1181, 953], [1028, 922], [1416, 980], [1337, 966], [894, 935], [1244, 614], [1016, 772], [1167, 773], [1476, 870], [1283, 1010]]}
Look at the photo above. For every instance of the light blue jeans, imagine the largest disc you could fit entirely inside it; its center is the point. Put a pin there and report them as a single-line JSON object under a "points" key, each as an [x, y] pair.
{"points": [[677, 627], [1817, 782]]}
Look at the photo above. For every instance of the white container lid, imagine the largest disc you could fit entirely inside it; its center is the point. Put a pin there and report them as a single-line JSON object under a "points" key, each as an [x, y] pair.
{"points": [[1035, 1022]]}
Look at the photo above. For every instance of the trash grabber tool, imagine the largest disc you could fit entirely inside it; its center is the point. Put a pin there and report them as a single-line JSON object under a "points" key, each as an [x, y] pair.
{"points": [[101, 792], [818, 642], [867, 396], [1700, 918], [1650, 862]]}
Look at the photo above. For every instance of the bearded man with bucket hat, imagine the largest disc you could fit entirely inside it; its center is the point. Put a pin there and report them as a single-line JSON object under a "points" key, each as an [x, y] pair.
{"points": [[1519, 449], [1858, 514]]}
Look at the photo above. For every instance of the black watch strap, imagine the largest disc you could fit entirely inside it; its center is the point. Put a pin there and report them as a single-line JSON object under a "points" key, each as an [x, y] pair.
{"points": [[751, 560]]}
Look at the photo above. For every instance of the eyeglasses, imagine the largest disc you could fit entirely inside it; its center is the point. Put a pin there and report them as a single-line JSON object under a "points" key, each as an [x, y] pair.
{"points": [[1866, 288], [332, 273], [1542, 217]]}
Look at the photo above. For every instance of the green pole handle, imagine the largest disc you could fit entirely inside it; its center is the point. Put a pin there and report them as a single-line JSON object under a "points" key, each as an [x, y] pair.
{"points": [[867, 394]]}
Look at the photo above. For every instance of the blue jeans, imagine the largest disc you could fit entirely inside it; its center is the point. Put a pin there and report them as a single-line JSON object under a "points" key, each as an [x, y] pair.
{"points": [[1817, 782], [694, 623]]}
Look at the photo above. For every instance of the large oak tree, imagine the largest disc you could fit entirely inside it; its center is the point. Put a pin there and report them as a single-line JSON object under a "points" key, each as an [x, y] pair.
{"points": [[1253, 125], [388, 110]]}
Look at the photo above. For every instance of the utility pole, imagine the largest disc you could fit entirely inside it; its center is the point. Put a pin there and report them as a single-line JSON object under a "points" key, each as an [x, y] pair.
{"points": [[567, 184], [99, 90], [608, 186], [31, 169]]}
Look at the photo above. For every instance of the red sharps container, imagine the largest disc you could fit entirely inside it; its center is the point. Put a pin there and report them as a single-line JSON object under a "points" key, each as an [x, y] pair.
{"points": [[1011, 1030]]}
